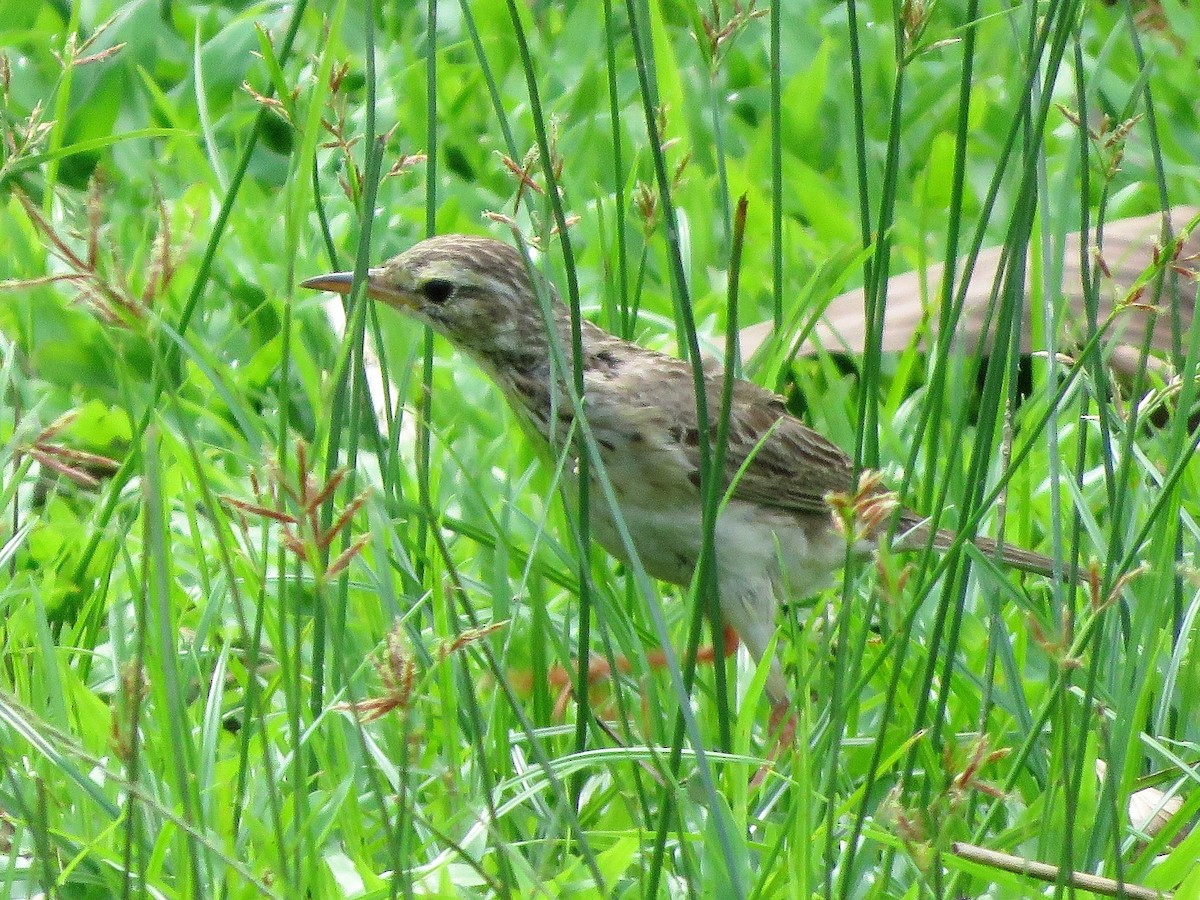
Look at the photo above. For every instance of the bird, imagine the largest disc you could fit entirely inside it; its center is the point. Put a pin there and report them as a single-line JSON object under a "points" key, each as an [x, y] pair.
{"points": [[776, 536]]}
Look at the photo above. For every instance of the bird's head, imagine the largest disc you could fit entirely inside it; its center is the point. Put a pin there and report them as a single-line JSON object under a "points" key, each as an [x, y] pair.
{"points": [[475, 291]]}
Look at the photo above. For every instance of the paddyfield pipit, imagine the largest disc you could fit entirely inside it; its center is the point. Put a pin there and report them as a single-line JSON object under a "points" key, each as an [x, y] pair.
{"points": [[776, 536]]}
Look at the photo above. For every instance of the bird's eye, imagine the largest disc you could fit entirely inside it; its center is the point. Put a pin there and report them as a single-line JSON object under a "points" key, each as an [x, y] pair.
{"points": [[437, 290]]}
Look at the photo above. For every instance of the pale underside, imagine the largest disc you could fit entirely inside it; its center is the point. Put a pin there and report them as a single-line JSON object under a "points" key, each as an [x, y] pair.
{"points": [[762, 556]]}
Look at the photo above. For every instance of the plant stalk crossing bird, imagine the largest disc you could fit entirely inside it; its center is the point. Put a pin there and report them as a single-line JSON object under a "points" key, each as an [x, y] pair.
{"points": [[775, 537]]}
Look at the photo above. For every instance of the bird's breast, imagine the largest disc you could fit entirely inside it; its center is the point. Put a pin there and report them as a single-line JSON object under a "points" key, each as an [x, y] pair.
{"points": [[798, 554]]}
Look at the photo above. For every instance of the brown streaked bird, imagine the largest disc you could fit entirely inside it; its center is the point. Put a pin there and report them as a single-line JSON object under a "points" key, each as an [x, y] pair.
{"points": [[776, 536]]}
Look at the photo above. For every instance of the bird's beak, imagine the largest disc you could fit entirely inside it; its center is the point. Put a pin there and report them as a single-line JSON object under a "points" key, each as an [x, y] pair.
{"points": [[377, 289]]}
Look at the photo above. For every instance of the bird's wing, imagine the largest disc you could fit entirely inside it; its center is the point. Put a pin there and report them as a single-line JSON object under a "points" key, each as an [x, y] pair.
{"points": [[786, 464]]}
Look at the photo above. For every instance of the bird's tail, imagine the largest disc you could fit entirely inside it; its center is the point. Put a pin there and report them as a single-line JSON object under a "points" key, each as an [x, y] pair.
{"points": [[913, 532]]}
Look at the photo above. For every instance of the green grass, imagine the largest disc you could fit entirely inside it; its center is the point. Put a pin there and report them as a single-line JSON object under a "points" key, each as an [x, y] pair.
{"points": [[215, 547]]}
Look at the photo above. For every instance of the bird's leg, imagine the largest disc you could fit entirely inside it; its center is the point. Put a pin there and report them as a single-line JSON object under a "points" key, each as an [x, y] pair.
{"points": [[782, 726], [600, 670], [750, 607], [657, 659]]}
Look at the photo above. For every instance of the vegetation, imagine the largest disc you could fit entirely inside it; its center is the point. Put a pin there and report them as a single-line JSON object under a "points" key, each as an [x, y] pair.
{"points": [[271, 629]]}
